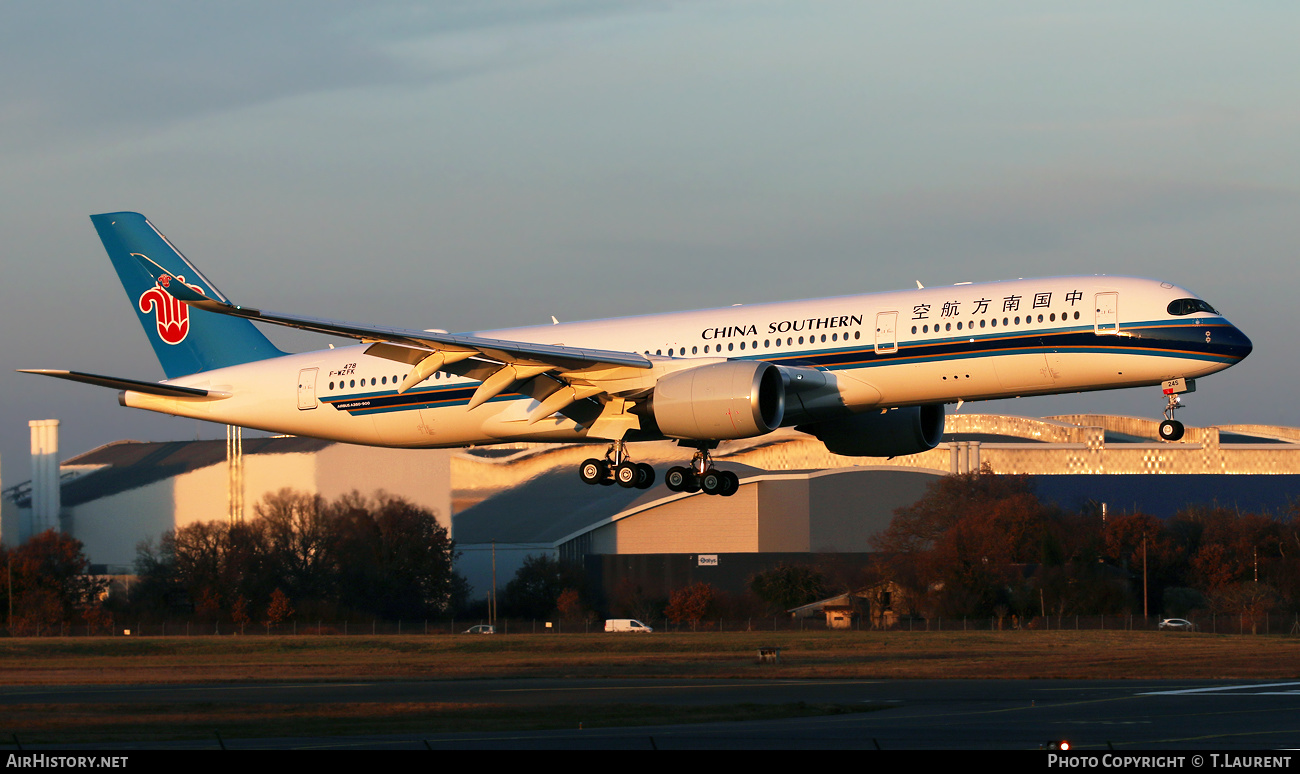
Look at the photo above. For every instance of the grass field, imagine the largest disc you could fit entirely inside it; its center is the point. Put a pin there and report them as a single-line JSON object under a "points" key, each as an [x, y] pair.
{"points": [[874, 655], [929, 655]]}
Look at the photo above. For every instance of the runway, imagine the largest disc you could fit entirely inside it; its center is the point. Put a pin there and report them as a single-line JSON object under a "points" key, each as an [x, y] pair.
{"points": [[908, 714]]}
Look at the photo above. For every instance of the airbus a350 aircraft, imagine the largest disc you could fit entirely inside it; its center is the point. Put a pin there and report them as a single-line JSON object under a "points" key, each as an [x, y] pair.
{"points": [[868, 375]]}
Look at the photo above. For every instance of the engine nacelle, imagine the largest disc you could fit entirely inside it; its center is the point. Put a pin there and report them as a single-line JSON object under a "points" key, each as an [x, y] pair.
{"points": [[735, 399], [894, 433]]}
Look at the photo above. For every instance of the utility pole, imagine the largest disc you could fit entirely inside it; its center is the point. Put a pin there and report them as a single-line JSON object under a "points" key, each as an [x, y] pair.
{"points": [[1145, 614]]}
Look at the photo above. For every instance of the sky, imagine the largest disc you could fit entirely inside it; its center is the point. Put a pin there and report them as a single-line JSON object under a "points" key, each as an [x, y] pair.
{"points": [[473, 165]]}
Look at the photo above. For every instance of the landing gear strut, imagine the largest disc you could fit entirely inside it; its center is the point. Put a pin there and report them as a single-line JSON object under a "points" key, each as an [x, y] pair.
{"points": [[702, 476], [1171, 429], [616, 468]]}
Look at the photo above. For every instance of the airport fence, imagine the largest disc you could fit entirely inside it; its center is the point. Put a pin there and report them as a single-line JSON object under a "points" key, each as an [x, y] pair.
{"points": [[1208, 623]]}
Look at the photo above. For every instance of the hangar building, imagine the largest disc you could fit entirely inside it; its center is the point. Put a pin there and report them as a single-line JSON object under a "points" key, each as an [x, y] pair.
{"points": [[798, 499], [505, 503], [113, 497]]}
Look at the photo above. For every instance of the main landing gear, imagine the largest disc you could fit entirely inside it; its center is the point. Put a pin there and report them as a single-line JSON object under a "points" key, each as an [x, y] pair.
{"points": [[616, 468], [701, 476]]}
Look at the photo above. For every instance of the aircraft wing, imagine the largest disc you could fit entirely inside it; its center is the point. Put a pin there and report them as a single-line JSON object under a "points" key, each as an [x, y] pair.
{"points": [[427, 352]]}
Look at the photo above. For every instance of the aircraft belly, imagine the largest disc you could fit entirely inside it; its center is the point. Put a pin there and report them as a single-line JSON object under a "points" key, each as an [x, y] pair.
{"points": [[937, 381], [1018, 372], [449, 426], [510, 423], [1092, 371]]}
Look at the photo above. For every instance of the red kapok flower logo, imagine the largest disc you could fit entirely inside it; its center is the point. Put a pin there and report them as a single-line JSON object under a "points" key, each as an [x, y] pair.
{"points": [[171, 315]]}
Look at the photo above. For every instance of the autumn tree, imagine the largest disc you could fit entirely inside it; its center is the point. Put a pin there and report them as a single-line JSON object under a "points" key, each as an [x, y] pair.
{"points": [[966, 536], [787, 586], [917, 527], [570, 607], [49, 582], [630, 600], [299, 540], [398, 558], [381, 555], [239, 612], [1249, 600], [279, 609], [1229, 547], [692, 603], [535, 590]]}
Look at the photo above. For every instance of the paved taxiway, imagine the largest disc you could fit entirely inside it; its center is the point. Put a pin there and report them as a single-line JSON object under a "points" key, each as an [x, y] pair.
{"points": [[913, 714]]}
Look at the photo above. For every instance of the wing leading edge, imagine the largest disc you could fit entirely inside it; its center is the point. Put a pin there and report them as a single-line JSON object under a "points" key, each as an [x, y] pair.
{"points": [[500, 364]]}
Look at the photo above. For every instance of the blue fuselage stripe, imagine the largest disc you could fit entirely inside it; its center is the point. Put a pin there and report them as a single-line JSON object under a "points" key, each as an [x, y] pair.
{"points": [[1217, 342]]}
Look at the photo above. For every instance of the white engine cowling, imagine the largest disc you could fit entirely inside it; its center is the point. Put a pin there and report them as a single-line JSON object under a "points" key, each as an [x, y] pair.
{"points": [[735, 399], [894, 433]]}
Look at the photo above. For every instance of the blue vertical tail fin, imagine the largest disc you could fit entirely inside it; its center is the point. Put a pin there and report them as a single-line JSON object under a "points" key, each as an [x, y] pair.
{"points": [[186, 340]]}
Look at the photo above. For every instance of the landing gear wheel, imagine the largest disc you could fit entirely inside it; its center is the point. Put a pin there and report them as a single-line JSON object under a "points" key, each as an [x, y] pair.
{"points": [[645, 476], [627, 475], [593, 472], [711, 482], [730, 483], [678, 478], [1171, 430], [692, 479]]}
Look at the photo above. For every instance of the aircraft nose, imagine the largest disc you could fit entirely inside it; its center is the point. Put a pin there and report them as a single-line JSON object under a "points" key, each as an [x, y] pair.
{"points": [[1235, 343], [1246, 346]]}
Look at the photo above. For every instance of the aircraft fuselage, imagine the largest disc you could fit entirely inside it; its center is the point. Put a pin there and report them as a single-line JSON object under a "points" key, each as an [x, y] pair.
{"points": [[964, 342]]}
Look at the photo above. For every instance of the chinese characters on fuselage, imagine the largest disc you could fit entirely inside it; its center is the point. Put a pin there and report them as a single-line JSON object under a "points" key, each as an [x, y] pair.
{"points": [[981, 306]]}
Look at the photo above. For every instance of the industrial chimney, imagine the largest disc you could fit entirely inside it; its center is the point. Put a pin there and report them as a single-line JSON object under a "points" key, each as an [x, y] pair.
{"points": [[45, 476]]}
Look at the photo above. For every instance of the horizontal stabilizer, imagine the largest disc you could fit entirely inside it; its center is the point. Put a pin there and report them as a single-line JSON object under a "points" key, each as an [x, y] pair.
{"points": [[151, 388]]}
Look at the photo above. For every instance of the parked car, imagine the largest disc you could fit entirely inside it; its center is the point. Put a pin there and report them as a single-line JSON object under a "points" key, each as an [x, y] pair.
{"points": [[480, 629], [1177, 624], [626, 625]]}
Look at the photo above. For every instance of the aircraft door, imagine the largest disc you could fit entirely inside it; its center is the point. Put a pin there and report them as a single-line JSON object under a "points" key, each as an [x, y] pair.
{"points": [[886, 332], [307, 389], [1107, 320]]}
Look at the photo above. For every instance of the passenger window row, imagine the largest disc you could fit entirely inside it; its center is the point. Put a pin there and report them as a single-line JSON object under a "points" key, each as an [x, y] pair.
{"points": [[753, 345], [992, 322]]}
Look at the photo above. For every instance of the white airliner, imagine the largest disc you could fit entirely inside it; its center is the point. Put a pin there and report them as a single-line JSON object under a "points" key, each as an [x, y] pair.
{"points": [[868, 375]]}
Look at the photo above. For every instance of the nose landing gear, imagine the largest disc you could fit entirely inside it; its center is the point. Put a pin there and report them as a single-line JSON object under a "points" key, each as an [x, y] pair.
{"points": [[1171, 429]]}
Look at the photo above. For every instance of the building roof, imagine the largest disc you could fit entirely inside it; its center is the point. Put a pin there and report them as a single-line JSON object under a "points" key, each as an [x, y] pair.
{"points": [[554, 505], [1166, 494], [128, 465]]}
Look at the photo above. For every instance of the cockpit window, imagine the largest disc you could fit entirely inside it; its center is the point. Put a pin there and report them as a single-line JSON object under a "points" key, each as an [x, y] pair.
{"points": [[1185, 306]]}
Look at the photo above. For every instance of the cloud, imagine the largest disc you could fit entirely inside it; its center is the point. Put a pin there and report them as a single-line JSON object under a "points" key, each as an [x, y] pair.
{"points": [[1046, 212], [79, 68]]}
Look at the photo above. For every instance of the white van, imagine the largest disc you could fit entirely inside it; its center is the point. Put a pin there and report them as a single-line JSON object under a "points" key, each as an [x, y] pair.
{"points": [[626, 625]]}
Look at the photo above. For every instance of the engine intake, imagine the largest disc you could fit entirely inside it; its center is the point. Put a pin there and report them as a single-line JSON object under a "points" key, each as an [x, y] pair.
{"points": [[894, 433], [735, 399]]}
